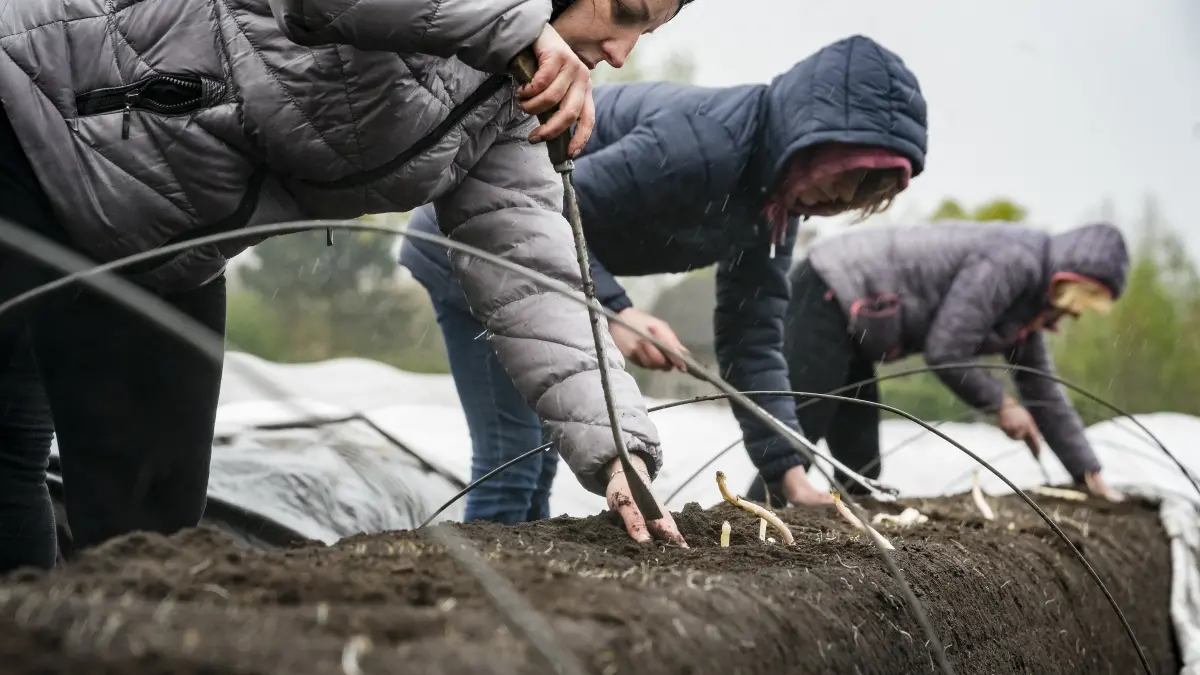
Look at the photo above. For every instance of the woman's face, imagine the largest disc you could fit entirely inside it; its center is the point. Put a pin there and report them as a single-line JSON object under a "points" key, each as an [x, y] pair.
{"points": [[831, 194], [1049, 320], [831, 178], [847, 191], [607, 30]]}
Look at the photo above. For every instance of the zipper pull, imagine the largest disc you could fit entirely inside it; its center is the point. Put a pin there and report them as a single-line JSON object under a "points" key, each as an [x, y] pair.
{"points": [[130, 97]]}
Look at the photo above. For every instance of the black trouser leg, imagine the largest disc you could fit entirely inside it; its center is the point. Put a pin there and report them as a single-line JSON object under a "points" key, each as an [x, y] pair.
{"points": [[133, 406], [27, 535], [853, 435]]}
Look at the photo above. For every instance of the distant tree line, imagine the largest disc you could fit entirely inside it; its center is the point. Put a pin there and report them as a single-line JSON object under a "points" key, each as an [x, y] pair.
{"points": [[296, 299], [1144, 357]]}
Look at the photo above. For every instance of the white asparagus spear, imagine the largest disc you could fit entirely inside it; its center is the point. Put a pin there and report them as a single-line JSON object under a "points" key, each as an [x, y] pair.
{"points": [[754, 509], [853, 520], [977, 495]]}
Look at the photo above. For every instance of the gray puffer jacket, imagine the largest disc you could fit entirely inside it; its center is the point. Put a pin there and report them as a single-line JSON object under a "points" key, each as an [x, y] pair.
{"points": [[155, 121], [960, 290]]}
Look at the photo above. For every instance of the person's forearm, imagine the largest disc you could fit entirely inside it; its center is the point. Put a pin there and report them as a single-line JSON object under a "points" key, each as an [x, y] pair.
{"points": [[541, 337], [972, 386], [982, 291], [609, 291], [771, 454], [1063, 431], [1051, 408], [752, 297], [483, 35]]}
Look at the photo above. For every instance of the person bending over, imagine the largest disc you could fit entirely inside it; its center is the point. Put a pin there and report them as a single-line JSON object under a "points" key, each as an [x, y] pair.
{"points": [[951, 292], [679, 177], [130, 126]]}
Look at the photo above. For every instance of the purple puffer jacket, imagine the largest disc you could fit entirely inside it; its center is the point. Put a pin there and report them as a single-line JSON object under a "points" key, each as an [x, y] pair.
{"points": [[961, 290]]}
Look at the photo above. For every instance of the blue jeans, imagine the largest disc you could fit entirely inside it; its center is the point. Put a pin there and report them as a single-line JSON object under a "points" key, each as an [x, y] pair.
{"points": [[501, 424]]}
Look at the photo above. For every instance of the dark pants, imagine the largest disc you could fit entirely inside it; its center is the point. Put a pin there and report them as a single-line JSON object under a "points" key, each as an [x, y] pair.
{"points": [[133, 407], [821, 358]]}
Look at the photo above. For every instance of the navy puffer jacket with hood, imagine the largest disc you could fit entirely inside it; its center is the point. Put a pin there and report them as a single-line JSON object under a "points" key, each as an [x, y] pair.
{"points": [[676, 177]]}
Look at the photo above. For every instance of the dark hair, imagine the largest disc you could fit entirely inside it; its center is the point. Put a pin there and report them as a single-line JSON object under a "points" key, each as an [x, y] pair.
{"points": [[875, 194], [557, 7]]}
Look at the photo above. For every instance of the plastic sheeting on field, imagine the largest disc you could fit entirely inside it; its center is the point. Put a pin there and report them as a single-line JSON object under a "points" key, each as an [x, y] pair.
{"points": [[296, 444], [1182, 525], [291, 447], [328, 481], [422, 414]]}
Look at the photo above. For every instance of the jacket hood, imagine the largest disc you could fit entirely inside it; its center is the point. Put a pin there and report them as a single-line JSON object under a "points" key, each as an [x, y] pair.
{"points": [[1096, 251], [851, 91]]}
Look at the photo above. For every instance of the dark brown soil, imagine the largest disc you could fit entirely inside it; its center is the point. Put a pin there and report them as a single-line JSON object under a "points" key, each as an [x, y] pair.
{"points": [[1005, 596]]}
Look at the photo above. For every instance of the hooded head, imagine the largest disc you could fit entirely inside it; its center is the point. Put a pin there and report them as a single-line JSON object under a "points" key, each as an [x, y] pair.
{"points": [[1096, 252], [1088, 269], [1075, 295], [844, 129]]}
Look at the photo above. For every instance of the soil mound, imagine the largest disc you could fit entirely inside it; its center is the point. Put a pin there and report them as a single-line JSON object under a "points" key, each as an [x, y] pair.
{"points": [[1006, 597]]}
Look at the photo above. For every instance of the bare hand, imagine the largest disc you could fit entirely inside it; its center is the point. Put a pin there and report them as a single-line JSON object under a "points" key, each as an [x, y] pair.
{"points": [[620, 499], [562, 79], [640, 350], [1018, 424], [1096, 486], [798, 489]]}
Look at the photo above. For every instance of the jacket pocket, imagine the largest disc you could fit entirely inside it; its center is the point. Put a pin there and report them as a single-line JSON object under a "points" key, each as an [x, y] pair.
{"points": [[877, 326], [177, 94]]}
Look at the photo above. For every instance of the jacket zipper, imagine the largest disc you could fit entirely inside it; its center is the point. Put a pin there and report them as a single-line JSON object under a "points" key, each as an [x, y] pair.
{"points": [[236, 220], [141, 96], [485, 91]]}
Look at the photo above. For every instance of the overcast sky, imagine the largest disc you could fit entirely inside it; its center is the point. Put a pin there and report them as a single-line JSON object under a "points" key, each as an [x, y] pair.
{"points": [[1054, 104]]}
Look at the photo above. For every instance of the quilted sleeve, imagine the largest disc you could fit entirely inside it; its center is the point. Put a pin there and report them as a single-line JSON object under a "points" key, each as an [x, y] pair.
{"points": [[510, 204], [484, 34], [982, 290], [609, 291], [1053, 411], [752, 297]]}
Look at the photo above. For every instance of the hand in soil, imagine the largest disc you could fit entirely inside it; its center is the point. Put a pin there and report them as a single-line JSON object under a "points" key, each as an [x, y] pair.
{"points": [[1096, 486], [620, 499], [798, 489]]}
